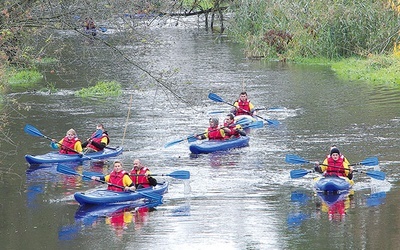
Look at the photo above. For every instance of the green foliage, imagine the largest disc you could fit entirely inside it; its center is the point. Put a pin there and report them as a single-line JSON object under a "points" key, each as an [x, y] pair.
{"points": [[25, 78], [101, 89], [330, 29], [376, 68]]}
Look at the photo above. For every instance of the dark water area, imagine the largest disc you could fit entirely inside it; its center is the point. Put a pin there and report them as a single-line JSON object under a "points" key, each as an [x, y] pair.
{"points": [[240, 199]]}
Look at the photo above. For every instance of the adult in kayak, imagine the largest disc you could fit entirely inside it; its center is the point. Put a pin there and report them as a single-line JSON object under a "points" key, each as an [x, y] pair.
{"points": [[335, 165], [243, 106], [140, 175], [213, 132], [70, 144], [231, 129], [98, 141], [117, 179]]}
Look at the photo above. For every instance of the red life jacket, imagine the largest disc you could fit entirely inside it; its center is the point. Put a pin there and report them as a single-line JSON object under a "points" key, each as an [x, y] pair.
{"points": [[232, 130], [98, 140], [214, 134], [116, 179], [67, 145], [243, 107], [139, 178], [335, 167]]}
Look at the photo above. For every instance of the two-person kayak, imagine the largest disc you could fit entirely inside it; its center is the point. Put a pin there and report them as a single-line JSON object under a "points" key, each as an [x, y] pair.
{"points": [[56, 157], [210, 146], [105, 197]]}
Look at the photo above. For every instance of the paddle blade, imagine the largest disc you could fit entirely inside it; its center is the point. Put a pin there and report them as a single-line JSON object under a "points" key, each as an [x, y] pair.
{"points": [[215, 97], [169, 144], [65, 170], [297, 173], [88, 175], [379, 175], [295, 159], [272, 122], [256, 124], [31, 130], [372, 161], [180, 174]]}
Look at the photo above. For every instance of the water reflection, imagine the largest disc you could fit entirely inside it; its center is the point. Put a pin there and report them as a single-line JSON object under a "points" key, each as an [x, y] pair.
{"points": [[333, 206], [119, 217]]}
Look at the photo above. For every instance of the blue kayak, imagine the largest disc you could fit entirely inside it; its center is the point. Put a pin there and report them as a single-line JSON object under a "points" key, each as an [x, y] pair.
{"points": [[333, 184], [56, 157], [106, 197], [210, 146]]}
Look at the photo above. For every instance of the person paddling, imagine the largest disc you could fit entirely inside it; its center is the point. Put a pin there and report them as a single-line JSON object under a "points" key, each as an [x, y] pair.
{"points": [[335, 165], [243, 106], [70, 144], [213, 132], [231, 129], [118, 180], [140, 175], [98, 141]]}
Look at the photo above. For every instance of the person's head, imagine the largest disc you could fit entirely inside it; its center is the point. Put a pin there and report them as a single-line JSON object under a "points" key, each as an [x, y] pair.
{"points": [[136, 164], [335, 153], [71, 133], [118, 166], [230, 118], [213, 122], [243, 96], [100, 126]]}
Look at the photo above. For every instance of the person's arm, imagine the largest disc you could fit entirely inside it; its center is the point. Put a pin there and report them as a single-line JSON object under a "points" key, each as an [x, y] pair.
{"points": [[152, 181], [324, 165], [252, 110], [128, 183], [78, 147], [101, 145]]}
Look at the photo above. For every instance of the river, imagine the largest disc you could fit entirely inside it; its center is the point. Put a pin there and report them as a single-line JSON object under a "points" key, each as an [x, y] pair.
{"points": [[241, 199]]}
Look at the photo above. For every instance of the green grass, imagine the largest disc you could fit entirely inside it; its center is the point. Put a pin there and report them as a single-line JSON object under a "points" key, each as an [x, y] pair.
{"points": [[101, 89], [24, 78], [374, 69]]}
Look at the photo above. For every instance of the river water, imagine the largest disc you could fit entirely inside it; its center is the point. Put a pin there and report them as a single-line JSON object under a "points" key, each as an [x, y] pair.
{"points": [[241, 199]]}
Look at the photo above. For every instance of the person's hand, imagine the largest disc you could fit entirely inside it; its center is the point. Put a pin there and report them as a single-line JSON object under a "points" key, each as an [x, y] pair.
{"points": [[133, 188], [95, 178], [351, 169], [53, 140]]}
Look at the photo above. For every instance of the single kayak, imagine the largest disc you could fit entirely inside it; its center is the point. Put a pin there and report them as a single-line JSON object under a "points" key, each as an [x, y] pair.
{"points": [[105, 197], [245, 119], [333, 184], [56, 157], [210, 146]]}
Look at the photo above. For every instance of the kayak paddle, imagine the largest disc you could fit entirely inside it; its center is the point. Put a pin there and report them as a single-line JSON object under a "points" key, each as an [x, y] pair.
{"points": [[217, 98], [66, 170], [371, 161], [295, 159], [179, 174]]}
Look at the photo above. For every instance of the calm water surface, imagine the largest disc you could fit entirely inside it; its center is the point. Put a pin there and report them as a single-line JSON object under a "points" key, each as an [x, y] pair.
{"points": [[242, 199]]}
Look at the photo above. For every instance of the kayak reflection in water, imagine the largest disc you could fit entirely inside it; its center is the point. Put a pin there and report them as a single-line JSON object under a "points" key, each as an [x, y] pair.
{"points": [[335, 205], [121, 220]]}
